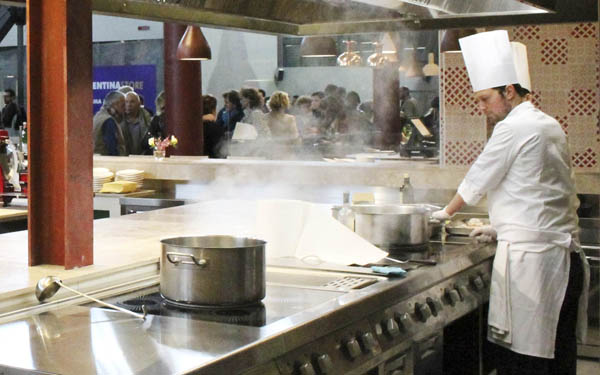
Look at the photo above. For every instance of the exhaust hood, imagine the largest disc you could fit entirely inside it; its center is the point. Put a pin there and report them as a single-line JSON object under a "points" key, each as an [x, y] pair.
{"points": [[314, 17]]}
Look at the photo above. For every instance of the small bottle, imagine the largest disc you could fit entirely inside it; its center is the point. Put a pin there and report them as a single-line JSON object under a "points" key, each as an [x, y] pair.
{"points": [[346, 215], [408, 193]]}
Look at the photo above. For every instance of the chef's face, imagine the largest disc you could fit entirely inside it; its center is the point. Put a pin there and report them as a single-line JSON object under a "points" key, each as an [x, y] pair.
{"points": [[493, 104]]}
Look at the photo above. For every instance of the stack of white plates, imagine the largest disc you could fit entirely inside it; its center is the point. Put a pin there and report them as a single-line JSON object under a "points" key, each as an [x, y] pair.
{"points": [[132, 175], [100, 177]]}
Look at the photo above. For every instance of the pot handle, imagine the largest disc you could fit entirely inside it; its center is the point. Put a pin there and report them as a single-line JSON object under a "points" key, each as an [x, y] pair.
{"points": [[176, 261]]}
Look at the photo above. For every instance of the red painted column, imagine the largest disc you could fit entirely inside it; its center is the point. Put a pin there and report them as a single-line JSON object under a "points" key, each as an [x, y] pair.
{"points": [[386, 105], [183, 89], [59, 91]]}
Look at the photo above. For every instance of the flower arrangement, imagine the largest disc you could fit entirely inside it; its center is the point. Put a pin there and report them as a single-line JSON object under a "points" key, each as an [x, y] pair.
{"points": [[159, 144]]}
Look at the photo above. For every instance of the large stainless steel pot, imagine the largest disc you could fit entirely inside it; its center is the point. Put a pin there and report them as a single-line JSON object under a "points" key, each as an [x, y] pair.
{"points": [[392, 225], [213, 270]]}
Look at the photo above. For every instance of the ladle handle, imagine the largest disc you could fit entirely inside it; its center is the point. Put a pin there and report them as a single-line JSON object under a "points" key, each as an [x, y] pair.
{"points": [[143, 317]]}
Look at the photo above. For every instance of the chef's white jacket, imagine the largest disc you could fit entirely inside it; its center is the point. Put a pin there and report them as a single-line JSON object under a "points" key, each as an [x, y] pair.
{"points": [[525, 171]]}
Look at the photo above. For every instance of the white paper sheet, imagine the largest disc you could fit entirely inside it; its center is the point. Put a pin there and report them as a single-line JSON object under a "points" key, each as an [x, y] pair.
{"points": [[331, 241], [301, 229]]}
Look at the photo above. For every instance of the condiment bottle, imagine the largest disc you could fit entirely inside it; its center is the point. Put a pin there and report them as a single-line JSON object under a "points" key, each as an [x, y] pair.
{"points": [[408, 193]]}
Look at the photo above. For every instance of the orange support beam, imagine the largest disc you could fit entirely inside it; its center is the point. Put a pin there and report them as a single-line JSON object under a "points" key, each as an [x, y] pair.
{"points": [[59, 92]]}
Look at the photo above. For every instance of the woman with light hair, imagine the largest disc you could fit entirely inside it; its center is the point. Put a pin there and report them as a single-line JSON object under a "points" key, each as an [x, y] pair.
{"points": [[253, 114], [158, 128], [282, 126]]}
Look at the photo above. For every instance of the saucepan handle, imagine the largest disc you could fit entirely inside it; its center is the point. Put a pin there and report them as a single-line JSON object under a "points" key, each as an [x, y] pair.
{"points": [[176, 259]]}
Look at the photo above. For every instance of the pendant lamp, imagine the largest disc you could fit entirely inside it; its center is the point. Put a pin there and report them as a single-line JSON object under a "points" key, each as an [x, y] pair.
{"points": [[349, 58], [193, 45], [378, 58], [431, 69], [414, 68], [389, 48], [318, 46], [451, 37]]}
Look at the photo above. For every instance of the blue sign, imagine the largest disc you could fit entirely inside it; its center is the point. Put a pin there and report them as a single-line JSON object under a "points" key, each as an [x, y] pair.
{"points": [[109, 78]]}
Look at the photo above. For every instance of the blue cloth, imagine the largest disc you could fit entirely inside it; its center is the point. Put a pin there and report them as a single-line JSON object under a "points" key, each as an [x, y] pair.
{"points": [[389, 271], [109, 135]]}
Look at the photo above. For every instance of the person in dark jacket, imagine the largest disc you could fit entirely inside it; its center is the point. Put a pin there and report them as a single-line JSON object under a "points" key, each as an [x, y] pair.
{"points": [[158, 128], [231, 113], [213, 133], [108, 132], [10, 110]]}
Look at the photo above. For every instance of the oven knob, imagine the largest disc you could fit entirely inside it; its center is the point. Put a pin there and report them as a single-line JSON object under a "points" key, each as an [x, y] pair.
{"points": [[463, 292], [435, 305], [477, 283], [403, 320], [368, 341], [451, 296], [486, 278], [422, 311], [352, 348], [390, 327], [324, 364], [306, 369]]}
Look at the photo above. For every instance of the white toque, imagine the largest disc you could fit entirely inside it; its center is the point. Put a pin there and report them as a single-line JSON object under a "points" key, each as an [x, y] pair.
{"points": [[489, 59], [521, 64]]}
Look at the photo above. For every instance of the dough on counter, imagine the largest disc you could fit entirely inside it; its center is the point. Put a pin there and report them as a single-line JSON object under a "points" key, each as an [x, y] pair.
{"points": [[475, 222]]}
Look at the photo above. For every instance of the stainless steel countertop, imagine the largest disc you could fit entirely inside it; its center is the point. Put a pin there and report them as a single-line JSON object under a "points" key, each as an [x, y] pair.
{"points": [[78, 340]]}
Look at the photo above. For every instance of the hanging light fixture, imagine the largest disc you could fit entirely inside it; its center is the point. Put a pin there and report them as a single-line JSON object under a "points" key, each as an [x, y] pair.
{"points": [[389, 48], [193, 45], [431, 69], [349, 58], [378, 58], [318, 46], [451, 37], [414, 68]]}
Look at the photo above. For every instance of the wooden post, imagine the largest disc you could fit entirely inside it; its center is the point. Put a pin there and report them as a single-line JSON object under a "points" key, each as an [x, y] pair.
{"points": [[386, 105], [59, 91], [183, 90]]}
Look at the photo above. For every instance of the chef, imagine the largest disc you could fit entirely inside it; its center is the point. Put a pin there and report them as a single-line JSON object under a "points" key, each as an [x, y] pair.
{"points": [[540, 276]]}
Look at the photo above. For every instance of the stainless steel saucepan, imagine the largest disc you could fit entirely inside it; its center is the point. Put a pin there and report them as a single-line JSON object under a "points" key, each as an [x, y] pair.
{"points": [[389, 225], [213, 270]]}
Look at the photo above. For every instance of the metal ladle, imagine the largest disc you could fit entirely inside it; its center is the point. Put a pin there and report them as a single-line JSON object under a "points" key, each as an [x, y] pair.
{"points": [[49, 285]]}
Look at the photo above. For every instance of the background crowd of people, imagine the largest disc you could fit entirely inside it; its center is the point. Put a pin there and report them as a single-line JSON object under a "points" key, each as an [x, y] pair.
{"points": [[283, 125]]}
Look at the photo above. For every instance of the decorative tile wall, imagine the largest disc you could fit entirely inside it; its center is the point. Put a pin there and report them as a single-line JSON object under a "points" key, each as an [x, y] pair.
{"points": [[565, 74]]}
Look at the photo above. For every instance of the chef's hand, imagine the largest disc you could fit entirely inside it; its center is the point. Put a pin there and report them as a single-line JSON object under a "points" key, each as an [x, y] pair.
{"points": [[441, 215], [484, 233]]}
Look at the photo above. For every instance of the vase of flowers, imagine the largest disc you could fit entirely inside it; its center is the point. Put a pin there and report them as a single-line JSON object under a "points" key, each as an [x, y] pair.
{"points": [[160, 146]]}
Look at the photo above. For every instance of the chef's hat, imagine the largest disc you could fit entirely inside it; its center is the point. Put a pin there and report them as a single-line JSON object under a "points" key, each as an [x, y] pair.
{"points": [[521, 64], [489, 59]]}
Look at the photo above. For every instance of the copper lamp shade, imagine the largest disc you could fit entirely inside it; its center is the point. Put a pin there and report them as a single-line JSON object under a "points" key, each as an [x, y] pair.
{"points": [[193, 45], [318, 46], [349, 58], [451, 37]]}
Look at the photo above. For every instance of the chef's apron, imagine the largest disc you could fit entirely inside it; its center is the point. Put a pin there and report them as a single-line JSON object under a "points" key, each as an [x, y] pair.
{"points": [[529, 281]]}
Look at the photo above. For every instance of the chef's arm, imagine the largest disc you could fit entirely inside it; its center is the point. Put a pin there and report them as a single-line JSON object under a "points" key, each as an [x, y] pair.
{"points": [[455, 205]]}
